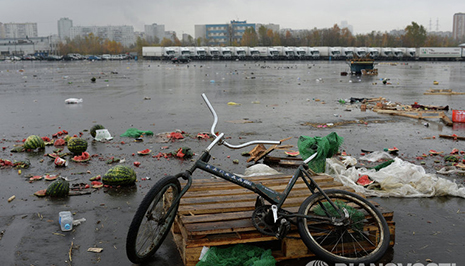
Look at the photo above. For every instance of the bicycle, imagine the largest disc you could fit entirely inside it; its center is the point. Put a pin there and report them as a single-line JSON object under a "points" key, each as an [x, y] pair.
{"points": [[336, 225]]}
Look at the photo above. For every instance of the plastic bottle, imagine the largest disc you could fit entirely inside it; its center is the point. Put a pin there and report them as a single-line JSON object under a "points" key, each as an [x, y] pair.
{"points": [[66, 221]]}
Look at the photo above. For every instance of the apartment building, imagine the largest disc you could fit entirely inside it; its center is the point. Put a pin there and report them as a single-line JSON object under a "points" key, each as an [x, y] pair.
{"points": [[458, 28]]}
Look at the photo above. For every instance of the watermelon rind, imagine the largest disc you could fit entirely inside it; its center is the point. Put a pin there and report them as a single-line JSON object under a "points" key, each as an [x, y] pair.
{"points": [[94, 128], [41, 193], [17, 149], [58, 188], [119, 175], [144, 152], [84, 157], [77, 145]]}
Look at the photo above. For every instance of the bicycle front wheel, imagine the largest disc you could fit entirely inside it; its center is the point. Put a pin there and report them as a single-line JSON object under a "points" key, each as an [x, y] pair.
{"points": [[152, 222], [362, 236]]}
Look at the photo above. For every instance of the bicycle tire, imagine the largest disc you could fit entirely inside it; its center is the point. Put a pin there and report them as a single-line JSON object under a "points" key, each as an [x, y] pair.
{"points": [[151, 223], [366, 229]]}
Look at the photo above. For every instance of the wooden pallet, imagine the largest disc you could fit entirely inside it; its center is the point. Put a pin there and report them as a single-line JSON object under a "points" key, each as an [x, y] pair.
{"points": [[419, 114], [218, 213]]}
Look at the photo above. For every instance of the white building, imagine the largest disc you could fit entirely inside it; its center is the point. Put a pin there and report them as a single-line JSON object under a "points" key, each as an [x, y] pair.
{"points": [[19, 30], [122, 34], [22, 46], [64, 28], [154, 31]]}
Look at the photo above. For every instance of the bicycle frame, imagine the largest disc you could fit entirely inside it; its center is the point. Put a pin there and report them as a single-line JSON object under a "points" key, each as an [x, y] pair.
{"points": [[272, 196]]}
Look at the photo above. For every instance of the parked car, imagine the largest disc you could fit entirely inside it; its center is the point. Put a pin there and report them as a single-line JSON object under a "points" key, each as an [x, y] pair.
{"points": [[116, 57], [52, 57], [106, 57], [180, 59], [73, 56], [28, 57], [94, 58]]}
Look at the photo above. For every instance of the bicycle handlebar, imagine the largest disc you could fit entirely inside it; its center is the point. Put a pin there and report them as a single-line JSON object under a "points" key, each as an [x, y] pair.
{"points": [[231, 146]]}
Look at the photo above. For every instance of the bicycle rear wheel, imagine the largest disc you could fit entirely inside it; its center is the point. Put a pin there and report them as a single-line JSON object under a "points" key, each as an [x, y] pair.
{"points": [[151, 223], [362, 237]]}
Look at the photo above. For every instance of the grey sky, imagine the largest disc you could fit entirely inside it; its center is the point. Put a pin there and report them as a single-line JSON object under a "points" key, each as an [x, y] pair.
{"points": [[181, 15]]}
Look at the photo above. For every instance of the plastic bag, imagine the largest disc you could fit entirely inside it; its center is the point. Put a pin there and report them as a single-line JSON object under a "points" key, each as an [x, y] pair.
{"points": [[259, 170], [135, 133], [376, 156], [399, 179], [73, 100], [326, 147]]}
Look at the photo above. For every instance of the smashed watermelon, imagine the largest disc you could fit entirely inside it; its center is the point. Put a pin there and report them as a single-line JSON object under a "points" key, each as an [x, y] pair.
{"points": [[144, 152], [84, 157], [292, 153], [364, 180]]}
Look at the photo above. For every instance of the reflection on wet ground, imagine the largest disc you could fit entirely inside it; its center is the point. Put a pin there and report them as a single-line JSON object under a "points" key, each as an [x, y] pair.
{"points": [[277, 99]]}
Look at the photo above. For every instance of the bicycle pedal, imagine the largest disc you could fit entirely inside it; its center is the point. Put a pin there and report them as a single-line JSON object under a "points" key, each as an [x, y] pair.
{"points": [[284, 228]]}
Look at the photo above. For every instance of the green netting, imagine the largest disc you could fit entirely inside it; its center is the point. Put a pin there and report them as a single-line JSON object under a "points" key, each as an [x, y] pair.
{"points": [[237, 255], [382, 165], [135, 133], [325, 146], [355, 215]]}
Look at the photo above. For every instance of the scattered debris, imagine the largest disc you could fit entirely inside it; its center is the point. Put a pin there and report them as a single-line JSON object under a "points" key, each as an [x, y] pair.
{"points": [[443, 92], [73, 101], [95, 250]]}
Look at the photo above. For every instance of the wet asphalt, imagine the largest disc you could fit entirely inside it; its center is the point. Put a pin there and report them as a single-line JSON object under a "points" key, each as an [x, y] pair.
{"points": [[274, 100]]}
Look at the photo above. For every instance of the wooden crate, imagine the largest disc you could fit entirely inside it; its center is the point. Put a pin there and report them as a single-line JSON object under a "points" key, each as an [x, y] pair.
{"points": [[218, 213]]}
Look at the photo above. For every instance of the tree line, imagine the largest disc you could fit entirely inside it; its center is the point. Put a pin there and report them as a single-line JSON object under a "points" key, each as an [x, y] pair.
{"points": [[414, 35]]}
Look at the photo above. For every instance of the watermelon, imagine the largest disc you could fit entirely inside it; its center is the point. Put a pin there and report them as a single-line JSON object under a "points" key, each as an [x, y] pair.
{"points": [[392, 150], [67, 138], [55, 154], [94, 128], [48, 177], [184, 152], [96, 178], [77, 145], [34, 142], [59, 142], [96, 184], [58, 188], [17, 149], [84, 157], [119, 175], [41, 193], [364, 180], [292, 153], [35, 178], [144, 152]]}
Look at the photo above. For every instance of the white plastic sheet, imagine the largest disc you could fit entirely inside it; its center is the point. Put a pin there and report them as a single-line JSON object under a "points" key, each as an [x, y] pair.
{"points": [[260, 169], [73, 100], [399, 179], [102, 134]]}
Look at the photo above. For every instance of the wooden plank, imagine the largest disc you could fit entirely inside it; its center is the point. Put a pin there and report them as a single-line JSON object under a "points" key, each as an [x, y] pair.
{"points": [[239, 195], [446, 120], [451, 137], [290, 248]]}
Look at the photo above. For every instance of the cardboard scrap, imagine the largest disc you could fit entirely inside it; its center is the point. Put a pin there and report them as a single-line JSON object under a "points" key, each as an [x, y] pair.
{"points": [[95, 250]]}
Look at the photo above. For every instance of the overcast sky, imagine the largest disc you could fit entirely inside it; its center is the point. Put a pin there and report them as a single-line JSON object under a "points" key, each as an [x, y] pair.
{"points": [[181, 15]]}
